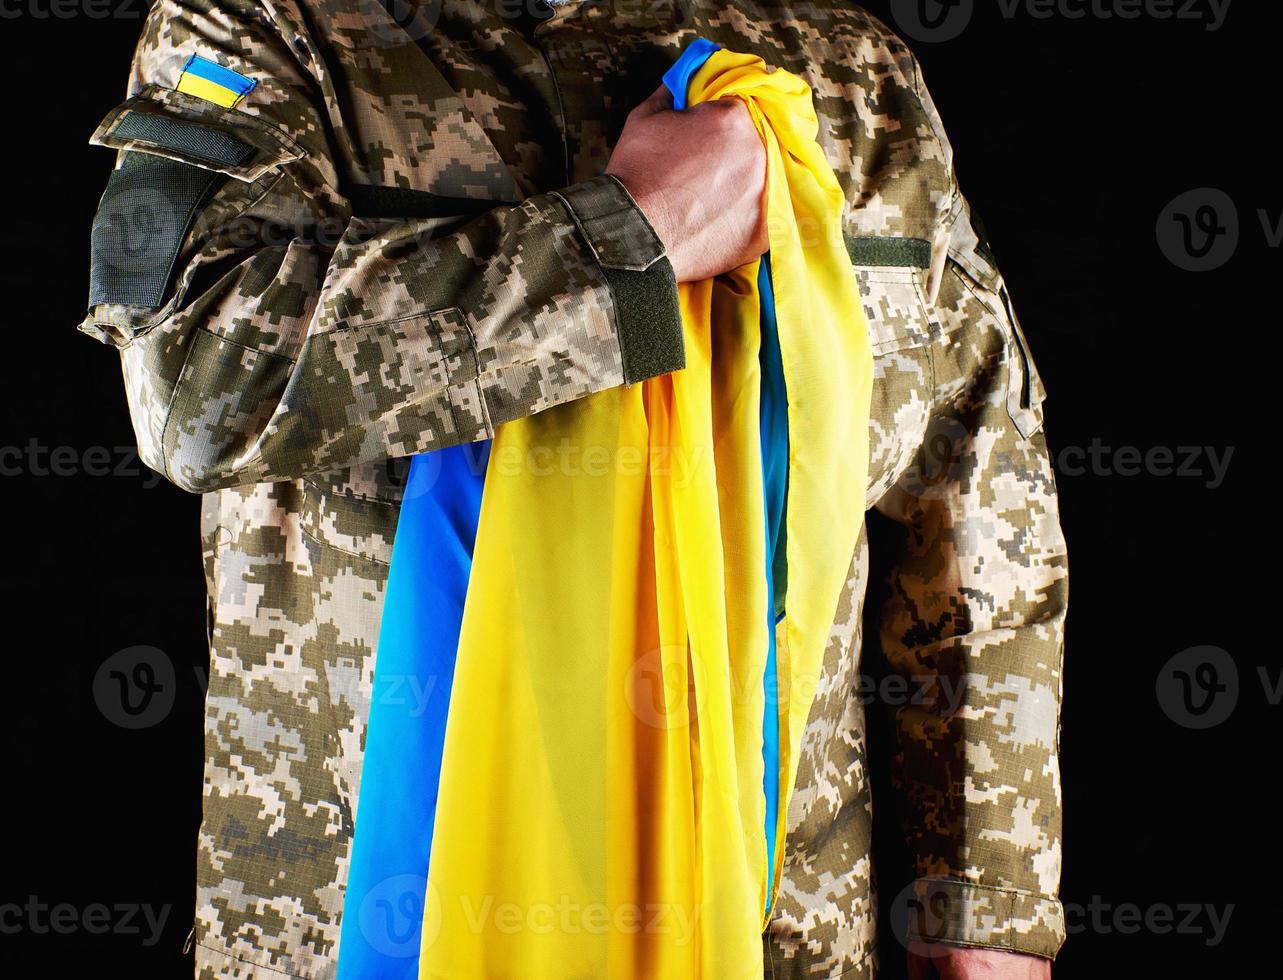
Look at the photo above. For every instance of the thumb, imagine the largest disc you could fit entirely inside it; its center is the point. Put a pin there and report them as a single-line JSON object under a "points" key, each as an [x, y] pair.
{"points": [[658, 101]]}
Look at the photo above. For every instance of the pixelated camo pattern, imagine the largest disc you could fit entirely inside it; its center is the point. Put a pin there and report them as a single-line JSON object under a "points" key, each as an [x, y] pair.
{"points": [[308, 350]]}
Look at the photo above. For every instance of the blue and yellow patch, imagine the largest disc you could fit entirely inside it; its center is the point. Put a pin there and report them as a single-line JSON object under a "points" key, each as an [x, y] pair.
{"points": [[212, 82]]}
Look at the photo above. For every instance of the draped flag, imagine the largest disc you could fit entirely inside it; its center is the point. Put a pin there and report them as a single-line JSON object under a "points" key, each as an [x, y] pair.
{"points": [[602, 631]]}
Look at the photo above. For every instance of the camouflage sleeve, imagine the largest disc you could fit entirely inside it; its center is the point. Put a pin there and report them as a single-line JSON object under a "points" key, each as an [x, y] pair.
{"points": [[272, 325], [974, 622]]}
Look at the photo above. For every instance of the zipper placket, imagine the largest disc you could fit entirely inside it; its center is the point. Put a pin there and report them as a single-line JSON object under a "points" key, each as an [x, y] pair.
{"points": [[537, 42]]}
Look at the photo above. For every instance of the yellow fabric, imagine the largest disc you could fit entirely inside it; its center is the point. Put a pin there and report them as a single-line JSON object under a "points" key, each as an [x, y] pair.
{"points": [[601, 808], [203, 88]]}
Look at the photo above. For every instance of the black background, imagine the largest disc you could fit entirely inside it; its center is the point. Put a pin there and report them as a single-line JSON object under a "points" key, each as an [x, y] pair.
{"points": [[1071, 138]]}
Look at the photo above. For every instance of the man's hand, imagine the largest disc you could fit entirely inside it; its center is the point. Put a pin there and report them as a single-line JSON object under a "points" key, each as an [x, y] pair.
{"points": [[927, 962], [699, 176]]}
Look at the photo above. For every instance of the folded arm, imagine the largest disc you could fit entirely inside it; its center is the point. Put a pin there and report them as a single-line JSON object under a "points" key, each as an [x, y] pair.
{"points": [[272, 324]]}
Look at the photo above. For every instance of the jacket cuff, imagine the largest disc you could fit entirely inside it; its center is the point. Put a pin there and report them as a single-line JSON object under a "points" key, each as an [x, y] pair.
{"points": [[648, 319], [947, 910]]}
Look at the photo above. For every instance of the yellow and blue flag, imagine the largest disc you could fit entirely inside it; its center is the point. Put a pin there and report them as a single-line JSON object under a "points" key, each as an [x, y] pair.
{"points": [[212, 82], [593, 673]]}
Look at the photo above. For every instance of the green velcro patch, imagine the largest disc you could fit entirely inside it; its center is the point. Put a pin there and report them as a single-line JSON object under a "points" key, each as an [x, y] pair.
{"points": [[876, 251], [143, 216], [202, 142]]}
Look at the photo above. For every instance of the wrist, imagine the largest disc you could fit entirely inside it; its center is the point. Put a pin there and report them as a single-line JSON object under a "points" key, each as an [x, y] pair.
{"points": [[651, 204]]}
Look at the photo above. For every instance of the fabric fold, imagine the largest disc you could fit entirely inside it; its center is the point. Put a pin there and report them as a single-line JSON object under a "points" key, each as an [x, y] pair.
{"points": [[644, 615]]}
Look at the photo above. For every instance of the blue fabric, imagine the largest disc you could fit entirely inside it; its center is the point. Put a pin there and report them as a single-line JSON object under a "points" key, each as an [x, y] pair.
{"points": [[211, 71], [414, 672], [775, 465], [678, 77]]}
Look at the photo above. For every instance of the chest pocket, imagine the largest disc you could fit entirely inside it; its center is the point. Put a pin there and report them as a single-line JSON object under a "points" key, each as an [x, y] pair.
{"points": [[891, 273]]}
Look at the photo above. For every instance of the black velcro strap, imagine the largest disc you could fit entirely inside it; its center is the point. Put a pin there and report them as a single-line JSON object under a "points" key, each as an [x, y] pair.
{"points": [[202, 142], [143, 216]]}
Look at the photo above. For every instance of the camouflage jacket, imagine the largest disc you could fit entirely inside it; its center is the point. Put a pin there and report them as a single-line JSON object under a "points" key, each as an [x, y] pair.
{"points": [[400, 238]]}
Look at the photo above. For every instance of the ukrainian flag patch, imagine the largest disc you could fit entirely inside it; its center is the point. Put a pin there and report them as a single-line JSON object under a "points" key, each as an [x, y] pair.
{"points": [[212, 82]]}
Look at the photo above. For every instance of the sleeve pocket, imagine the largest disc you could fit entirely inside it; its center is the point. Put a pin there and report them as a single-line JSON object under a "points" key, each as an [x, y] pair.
{"points": [[176, 152], [185, 129], [971, 257], [142, 219], [1025, 393]]}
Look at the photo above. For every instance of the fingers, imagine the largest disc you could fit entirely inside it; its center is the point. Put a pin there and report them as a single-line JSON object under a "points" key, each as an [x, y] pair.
{"points": [[730, 117], [657, 101]]}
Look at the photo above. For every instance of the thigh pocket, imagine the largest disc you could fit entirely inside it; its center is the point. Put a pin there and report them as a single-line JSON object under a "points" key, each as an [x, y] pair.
{"points": [[354, 511]]}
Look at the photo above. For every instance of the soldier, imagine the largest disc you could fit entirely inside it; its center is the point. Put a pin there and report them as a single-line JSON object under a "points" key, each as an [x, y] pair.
{"points": [[339, 235]]}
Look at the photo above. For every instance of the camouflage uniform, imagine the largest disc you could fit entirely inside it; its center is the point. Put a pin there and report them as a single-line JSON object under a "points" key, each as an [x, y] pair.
{"points": [[401, 239]]}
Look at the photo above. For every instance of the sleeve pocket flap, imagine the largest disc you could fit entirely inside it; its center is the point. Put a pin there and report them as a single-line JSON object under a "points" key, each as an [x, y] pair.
{"points": [[189, 130]]}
